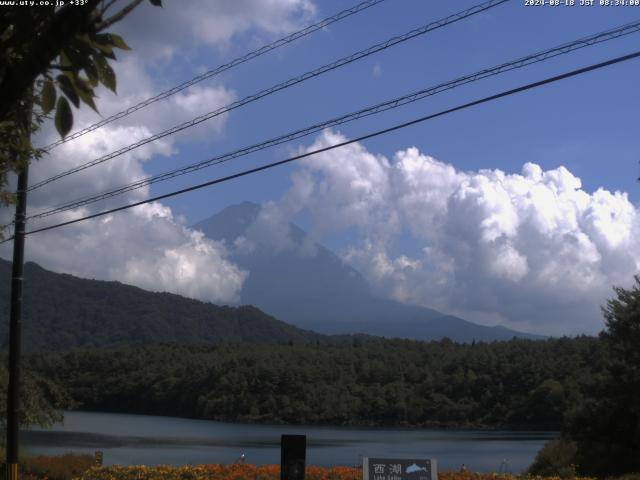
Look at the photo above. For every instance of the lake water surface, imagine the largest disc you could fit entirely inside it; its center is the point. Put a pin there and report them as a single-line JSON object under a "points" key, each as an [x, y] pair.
{"points": [[149, 440]]}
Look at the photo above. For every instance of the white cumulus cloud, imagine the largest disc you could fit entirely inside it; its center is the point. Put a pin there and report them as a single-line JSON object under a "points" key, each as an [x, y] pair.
{"points": [[145, 247], [178, 27], [531, 250]]}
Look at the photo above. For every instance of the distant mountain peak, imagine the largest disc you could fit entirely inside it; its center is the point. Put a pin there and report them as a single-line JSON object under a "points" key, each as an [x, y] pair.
{"points": [[245, 211], [246, 208], [320, 291]]}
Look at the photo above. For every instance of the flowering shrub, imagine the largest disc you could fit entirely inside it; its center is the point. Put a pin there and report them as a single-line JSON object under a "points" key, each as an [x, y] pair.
{"points": [[263, 472], [63, 467], [214, 472]]}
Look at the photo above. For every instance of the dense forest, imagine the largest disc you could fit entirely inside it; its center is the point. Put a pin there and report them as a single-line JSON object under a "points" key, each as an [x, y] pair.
{"points": [[62, 312], [515, 384]]}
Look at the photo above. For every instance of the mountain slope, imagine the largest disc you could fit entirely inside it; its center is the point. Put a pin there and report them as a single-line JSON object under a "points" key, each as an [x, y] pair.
{"points": [[309, 286], [62, 311]]}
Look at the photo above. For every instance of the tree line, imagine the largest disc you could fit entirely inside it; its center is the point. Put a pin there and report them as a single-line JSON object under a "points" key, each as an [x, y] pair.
{"points": [[515, 384]]}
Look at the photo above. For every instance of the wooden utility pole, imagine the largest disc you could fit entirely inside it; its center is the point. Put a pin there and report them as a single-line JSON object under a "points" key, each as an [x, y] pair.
{"points": [[15, 326]]}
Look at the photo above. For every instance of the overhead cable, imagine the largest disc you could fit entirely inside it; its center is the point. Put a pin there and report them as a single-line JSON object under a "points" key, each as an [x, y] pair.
{"points": [[281, 86], [490, 98], [371, 110], [222, 68]]}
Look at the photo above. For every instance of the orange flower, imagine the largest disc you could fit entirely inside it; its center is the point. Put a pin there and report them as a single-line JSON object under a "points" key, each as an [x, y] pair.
{"points": [[242, 471]]}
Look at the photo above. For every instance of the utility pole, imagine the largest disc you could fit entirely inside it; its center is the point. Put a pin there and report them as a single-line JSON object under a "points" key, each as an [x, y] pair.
{"points": [[15, 326]]}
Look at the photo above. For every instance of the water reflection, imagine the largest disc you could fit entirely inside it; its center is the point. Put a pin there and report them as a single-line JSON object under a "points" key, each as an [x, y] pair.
{"points": [[149, 440]]}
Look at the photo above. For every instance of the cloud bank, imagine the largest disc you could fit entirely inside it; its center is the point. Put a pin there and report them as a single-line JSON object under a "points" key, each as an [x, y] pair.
{"points": [[147, 246], [531, 250], [180, 28]]}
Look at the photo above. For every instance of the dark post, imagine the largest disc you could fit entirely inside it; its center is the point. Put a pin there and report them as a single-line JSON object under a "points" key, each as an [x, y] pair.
{"points": [[15, 326], [293, 452]]}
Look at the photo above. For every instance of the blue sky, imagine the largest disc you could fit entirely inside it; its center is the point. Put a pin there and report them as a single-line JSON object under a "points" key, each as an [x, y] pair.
{"points": [[465, 222], [588, 124]]}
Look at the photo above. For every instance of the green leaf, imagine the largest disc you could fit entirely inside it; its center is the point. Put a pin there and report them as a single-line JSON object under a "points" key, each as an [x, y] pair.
{"points": [[83, 37], [85, 92], [105, 72], [118, 42], [102, 41], [48, 96], [68, 89], [92, 73], [107, 51], [68, 68], [88, 99], [80, 54], [65, 61], [108, 40], [64, 117], [89, 44], [7, 33]]}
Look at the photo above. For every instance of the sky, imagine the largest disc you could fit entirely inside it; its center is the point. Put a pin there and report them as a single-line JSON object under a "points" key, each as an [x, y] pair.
{"points": [[522, 212]]}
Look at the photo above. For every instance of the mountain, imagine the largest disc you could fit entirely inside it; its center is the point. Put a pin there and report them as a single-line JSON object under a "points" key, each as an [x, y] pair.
{"points": [[307, 285], [61, 311]]}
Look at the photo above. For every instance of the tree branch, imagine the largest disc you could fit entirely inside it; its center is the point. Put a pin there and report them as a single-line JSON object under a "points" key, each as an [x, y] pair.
{"points": [[118, 16], [107, 6]]}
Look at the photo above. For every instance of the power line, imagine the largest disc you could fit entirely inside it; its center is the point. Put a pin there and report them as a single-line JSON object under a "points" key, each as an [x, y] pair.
{"points": [[381, 107], [286, 84], [222, 68], [513, 91]]}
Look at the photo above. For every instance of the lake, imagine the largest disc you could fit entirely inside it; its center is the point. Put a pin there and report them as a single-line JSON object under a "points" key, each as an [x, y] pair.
{"points": [[149, 440]]}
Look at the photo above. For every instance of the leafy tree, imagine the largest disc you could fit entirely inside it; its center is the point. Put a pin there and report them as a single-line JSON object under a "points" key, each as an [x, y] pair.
{"points": [[555, 459], [606, 428], [41, 399], [51, 57]]}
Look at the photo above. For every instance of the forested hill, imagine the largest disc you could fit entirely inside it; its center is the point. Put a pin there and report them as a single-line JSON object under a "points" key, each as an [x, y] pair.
{"points": [[62, 312], [515, 384]]}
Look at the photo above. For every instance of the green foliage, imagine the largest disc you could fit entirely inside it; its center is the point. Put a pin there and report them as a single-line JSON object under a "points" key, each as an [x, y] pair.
{"points": [[606, 426], [15, 144], [547, 402], [84, 65], [64, 116], [48, 97], [556, 459], [41, 399], [49, 57], [380, 382], [63, 467], [105, 73], [61, 312]]}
